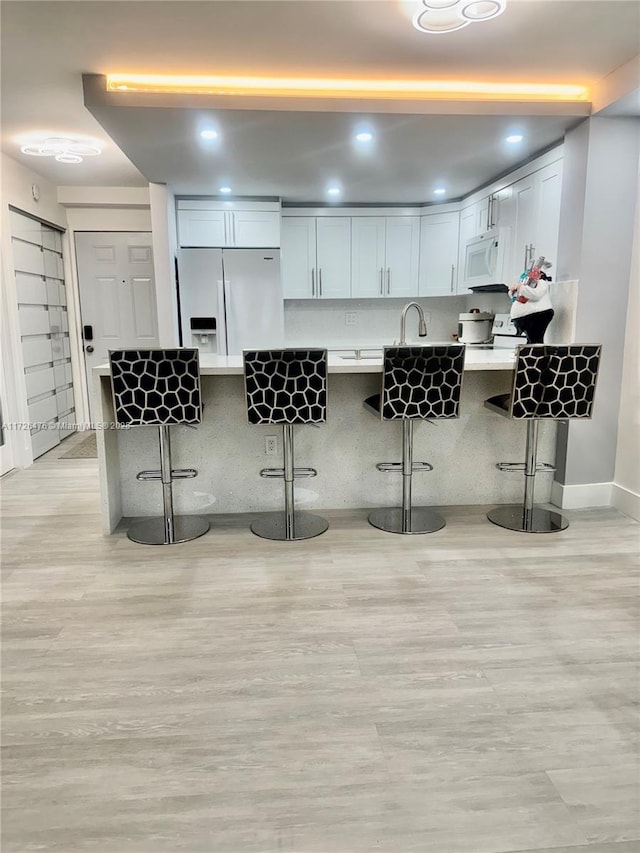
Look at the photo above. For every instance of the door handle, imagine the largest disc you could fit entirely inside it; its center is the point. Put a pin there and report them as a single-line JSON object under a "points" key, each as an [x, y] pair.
{"points": [[313, 282], [381, 281], [388, 280], [319, 281], [87, 333], [452, 272], [88, 349]]}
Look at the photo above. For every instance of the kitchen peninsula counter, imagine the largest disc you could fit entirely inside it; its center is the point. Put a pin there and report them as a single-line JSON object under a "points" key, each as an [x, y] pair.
{"points": [[229, 452]]}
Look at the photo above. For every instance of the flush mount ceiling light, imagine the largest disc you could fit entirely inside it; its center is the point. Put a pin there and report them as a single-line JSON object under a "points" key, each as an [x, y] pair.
{"points": [[364, 136], [225, 190], [515, 137], [448, 16], [339, 88], [61, 148], [209, 134], [333, 191], [439, 191]]}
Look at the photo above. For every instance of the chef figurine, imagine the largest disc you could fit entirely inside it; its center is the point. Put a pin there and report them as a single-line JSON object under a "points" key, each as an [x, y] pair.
{"points": [[531, 309]]}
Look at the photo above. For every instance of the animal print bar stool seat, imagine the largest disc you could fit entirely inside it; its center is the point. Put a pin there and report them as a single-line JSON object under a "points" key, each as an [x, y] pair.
{"points": [[160, 387], [287, 387], [550, 382], [418, 383]]}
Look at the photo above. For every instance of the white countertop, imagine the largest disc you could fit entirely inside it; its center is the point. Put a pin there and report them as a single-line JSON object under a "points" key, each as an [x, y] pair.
{"points": [[222, 365]]}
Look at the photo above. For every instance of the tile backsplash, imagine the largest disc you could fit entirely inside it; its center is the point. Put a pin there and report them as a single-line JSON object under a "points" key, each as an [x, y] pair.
{"points": [[309, 322], [322, 322]]}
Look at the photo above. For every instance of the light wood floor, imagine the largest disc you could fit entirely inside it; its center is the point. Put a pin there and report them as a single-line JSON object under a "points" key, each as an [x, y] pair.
{"points": [[470, 691]]}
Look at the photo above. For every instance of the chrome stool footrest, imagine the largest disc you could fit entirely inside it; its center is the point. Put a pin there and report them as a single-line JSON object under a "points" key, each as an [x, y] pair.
{"points": [[390, 467], [298, 473], [522, 466], [176, 474]]}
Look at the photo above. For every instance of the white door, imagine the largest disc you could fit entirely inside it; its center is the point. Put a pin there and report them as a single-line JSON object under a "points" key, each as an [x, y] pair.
{"points": [[402, 256], [367, 256], [438, 254], [298, 257], [333, 257], [117, 295]]}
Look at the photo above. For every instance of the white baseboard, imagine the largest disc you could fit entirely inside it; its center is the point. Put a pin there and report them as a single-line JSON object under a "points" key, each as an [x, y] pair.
{"points": [[581, 496], [626, 501]]}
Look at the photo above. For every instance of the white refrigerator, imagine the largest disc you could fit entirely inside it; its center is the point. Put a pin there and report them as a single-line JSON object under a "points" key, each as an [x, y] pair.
{"points": [[230, 299]]}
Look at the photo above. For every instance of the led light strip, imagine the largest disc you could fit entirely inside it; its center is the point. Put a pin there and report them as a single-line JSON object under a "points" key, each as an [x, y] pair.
{"points": [[293, 87]]}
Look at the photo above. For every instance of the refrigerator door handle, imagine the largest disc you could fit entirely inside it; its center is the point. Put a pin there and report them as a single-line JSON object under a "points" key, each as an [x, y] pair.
{"points": [[223, 338]]}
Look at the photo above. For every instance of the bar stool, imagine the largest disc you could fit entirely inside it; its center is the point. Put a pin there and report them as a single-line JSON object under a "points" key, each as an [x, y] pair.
{"points": [[550, 382], [418, 383], [160, 387], [287, 387]]}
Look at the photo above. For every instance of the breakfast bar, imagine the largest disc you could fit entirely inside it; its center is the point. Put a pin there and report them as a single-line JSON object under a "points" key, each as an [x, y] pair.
{"points": [[229, 453]]}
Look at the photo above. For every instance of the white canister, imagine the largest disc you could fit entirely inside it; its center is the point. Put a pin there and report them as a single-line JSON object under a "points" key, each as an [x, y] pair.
{"points": [[475, 327]]}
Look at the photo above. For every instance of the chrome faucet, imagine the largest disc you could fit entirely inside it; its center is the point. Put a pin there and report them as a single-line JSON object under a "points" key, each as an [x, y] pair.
{"points": [[422, 323]]}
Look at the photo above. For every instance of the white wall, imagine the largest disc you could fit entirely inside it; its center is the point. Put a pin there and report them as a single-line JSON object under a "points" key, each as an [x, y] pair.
{"points": [[17, 182], [626, 489], [596, 238]]}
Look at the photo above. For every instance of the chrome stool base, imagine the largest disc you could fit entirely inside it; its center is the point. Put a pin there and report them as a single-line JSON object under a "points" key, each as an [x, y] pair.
{"points": [[534, 520], [304, 525], [152, 531], [419, 519]]}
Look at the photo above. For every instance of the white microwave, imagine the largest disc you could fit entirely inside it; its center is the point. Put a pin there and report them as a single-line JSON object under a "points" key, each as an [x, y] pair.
{"points": [[486, 258]]}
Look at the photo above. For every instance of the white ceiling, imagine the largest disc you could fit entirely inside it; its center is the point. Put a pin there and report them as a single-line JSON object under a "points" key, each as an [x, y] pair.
{"points": [[48, 46]]}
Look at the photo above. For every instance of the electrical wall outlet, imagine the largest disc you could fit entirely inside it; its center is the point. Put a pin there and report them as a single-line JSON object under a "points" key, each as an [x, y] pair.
{"points": [[351, 318], [271, 445]]}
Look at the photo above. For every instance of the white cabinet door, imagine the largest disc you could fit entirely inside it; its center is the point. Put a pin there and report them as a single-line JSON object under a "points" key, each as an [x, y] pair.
{"points": [[402, 256], [298, 257], [468, 230], [367, 256], [526, 199], [545, 239], [253, 229], [202, 229], [438, 254], [333, 257]]}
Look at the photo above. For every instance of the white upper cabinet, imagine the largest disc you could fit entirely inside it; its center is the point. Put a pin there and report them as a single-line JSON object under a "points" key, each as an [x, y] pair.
{"points": [[385, 256], [316, 257], [206, 223], [439, 234], [468, 229], [368, 256], [531, 208]]}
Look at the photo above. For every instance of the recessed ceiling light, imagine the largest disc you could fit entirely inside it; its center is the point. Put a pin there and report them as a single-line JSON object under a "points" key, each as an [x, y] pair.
{"points": [[333, 191], [364, 136], [209, 134], [515, 137], [225, 190], [439, 191]]}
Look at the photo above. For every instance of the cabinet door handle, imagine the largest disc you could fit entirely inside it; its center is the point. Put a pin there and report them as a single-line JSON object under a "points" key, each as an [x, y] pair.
{"points": [[381, 281], [233, 219], [452, 273], [313, 282], [319, 281], [388, 280], [526, 257], [488, 212]]}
